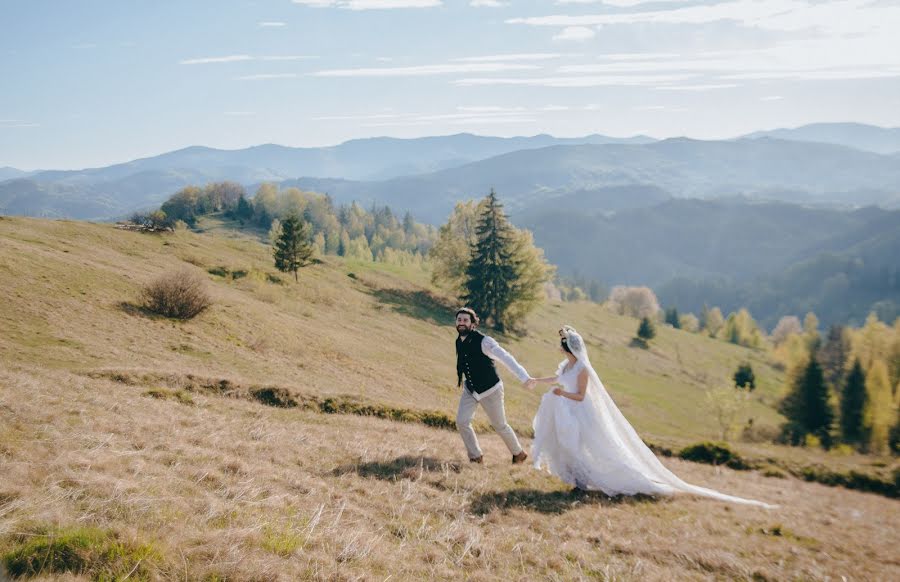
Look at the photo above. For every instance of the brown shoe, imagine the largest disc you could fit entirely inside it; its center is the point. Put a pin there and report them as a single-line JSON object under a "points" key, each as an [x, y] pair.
{"points": [[478, 460], [520, 458]]}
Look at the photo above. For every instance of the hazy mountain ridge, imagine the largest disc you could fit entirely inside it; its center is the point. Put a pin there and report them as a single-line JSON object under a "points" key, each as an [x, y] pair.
{"points": [[681, 167], [775, 258], [856, 135]]}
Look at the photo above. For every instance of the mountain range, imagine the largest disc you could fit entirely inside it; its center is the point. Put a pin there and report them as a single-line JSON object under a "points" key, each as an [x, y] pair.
{"points": [[423, 174], [783, 222]]}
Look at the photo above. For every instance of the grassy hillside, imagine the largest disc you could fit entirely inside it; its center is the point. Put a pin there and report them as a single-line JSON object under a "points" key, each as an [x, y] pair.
{"points": [[152, 440], [345, 329]]}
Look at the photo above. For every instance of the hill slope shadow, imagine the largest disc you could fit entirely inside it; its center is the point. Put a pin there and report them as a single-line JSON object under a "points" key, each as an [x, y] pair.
{"points": [[418, 304]]}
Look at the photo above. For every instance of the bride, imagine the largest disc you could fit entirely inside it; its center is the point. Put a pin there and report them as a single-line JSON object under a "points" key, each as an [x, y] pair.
{"points": [[581, 437]]}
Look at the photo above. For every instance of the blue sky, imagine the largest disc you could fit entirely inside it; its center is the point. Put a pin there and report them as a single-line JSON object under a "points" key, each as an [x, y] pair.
{"points": [[93, 82]]}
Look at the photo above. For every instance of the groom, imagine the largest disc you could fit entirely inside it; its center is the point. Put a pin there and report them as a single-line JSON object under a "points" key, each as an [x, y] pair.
{"points": [[475, 355]]}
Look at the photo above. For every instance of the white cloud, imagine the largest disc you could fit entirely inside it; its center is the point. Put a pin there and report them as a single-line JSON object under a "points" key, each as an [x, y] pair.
{"points": [[574, 81], [369, 4], [266, 76], [288, 58], [16, 123], [511, 57], [637, 56], [819, 75], [576, 33], [425, 70], [842, 17], [240, 113], [272, 24], [356, 117], [207, 60], [771, 98], [619, 3], [487, 4], [709, 87]]}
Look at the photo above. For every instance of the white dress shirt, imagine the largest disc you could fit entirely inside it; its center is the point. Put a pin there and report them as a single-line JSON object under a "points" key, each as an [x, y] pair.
{"points": [[494, 351]]}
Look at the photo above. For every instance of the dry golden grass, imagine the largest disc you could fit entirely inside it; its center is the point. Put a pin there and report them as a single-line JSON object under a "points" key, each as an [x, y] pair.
{"points": [[228, 488], [233, 489]]}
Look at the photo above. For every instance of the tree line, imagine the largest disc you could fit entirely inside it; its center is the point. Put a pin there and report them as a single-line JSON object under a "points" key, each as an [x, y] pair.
{"points": [[346, 230]]}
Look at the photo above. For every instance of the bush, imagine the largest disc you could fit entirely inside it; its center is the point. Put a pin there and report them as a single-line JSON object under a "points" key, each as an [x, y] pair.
{"points": [[714, 454], [179, 295], [744, 377]]}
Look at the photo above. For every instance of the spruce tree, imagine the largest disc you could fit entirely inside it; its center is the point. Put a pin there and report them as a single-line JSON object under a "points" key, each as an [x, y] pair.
{"points": [[807, 407], [672, 318], [853, 404], [490, 275], [833, 357], [244, 210], [292, 248], [646, 331]]}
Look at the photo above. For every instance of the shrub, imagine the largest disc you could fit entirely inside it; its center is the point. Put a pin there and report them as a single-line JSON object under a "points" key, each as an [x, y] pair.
{"points": [[714, 454], [179, 295], [744, 377]]}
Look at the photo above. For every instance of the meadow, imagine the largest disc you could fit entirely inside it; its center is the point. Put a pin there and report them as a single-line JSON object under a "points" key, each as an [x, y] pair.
{"points": [[256, 441]]}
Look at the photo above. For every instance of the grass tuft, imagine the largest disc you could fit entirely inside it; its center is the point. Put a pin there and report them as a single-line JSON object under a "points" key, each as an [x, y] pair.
{"points": [[89, 551]]}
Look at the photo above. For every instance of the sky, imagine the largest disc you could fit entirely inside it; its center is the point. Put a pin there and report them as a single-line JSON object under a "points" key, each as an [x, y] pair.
{"points": [[89, 83]]}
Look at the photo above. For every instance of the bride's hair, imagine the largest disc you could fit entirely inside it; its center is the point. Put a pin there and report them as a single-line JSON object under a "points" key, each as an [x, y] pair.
{"points": [[565, 345]]}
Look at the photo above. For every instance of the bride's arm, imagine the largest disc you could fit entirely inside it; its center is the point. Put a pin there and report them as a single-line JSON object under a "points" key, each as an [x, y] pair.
{"points": [[547, 380], [582, 388]]}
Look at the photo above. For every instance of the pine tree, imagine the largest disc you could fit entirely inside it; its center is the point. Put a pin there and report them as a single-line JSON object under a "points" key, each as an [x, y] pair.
{"points": [[833, 357], [894, 437], [672, 318], [853, 404], [244, 210], [806, 406], [490, 275], [293, 249], [646, 330]]}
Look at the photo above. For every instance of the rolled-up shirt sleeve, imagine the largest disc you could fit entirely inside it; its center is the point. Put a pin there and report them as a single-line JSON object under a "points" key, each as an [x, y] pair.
{"points": [[492, 349]]}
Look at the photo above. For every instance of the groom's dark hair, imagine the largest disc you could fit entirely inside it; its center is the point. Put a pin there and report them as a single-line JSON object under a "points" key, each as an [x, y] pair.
{"points": [[470, 312]]}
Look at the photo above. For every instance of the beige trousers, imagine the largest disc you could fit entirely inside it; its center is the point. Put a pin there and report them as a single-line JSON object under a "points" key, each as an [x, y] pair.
{"points": [[493, 406]]}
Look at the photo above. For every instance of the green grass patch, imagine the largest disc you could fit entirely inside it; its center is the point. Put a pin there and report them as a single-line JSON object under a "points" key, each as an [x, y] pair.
{"points": [[87, 551], [282, 541]]}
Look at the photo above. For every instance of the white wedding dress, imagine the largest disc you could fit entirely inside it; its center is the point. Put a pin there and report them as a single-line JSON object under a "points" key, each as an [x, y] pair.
{"points": [[590, 445]]}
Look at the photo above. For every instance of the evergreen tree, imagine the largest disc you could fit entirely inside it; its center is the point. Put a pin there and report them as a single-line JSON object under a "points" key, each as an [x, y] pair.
{"points": [[293, 249], [244, 211], [833, 356], [744, 377], [853, 404], [490, 275], [806, 406], [409, 223], [646, 331], [672, 318], [894, 437]]}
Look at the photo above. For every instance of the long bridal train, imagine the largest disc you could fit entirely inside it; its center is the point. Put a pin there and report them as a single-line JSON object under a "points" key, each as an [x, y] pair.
{"points": [[590, 444]]}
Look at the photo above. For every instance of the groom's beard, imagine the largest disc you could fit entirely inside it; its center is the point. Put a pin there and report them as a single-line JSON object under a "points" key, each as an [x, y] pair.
{"points": [[463, 331]]}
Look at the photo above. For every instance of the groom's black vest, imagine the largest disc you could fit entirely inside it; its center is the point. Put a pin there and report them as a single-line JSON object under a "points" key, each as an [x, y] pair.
{"points": [[479, 370]]}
